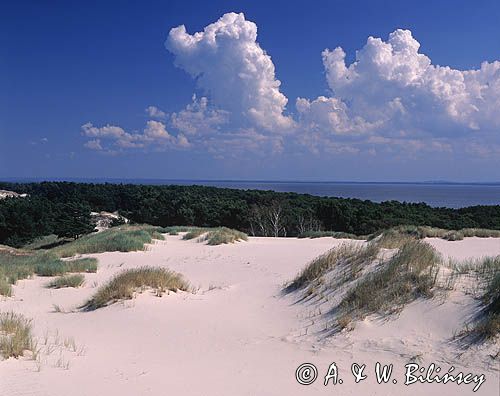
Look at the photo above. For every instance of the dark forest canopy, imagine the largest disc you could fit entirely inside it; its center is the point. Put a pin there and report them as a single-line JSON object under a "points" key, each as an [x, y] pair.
{"points": [[51, 206]]}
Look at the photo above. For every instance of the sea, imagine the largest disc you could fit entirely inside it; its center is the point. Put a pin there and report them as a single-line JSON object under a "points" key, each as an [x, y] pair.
{"points": [[436, 194]]}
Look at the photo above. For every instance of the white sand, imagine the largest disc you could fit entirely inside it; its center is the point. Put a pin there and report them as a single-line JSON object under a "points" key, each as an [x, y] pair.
{"points": [[237, 335]]}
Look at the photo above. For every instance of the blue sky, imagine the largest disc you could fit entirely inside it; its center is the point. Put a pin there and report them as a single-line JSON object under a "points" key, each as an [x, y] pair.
{"points": [[77, 79]]}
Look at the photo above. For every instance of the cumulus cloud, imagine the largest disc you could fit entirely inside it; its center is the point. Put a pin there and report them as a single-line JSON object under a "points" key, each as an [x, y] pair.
{"points": [[394, 91], [390, 99], [155, 112], [199, 118], [94, 144], [154, 135], [233, 70]]}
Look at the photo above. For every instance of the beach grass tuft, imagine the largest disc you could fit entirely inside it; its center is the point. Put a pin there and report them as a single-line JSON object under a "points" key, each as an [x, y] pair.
{"points": [[125, 284], [223, 235], [75, 280], [121, 239], [194, 232], [15, 335], [18, 265], [486, 324], [409, 274], [332, 234], [354, 255]]}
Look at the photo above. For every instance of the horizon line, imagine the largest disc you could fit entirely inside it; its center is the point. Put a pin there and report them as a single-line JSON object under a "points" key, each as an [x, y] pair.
{"points": [[120, 180]]}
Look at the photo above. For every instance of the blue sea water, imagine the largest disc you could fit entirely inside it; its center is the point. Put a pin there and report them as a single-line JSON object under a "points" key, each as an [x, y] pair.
{"points": [[434, 194]]}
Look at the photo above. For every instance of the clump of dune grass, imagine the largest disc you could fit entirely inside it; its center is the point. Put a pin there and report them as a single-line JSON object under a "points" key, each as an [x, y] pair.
{"points": [[121, 239], [409, 274], [75, 280], [486, 323], [5, 287], [18, 265], [392, 239], [60, 267], [15, 335], [194, 232], [224, 235], [354, 255], [125, 284], [421, 232], [332, 234], [175, 230], [46, 242]]}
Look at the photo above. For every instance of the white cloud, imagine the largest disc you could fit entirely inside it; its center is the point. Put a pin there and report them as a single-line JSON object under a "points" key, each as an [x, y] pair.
{"points": [[155, 112], [154, 135], [391, 99], [393, 91], [94, 144], [198, 118], [233, 70]]}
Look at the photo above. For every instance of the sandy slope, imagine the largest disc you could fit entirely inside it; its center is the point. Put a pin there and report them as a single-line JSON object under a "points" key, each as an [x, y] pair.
{"points": [[236, 336]]}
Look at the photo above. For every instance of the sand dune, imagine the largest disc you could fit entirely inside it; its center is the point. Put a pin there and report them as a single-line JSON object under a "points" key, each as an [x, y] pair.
{"points": [[237, 334]]}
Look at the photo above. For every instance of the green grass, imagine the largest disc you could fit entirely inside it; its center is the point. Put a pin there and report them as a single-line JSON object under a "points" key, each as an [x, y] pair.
{"points": [[5, 287], [125, 284], [213, 236], [332, 234], [433, 232], [346, 254], [409, 274], [486, 324], [121, 239], [15, 335], [224, 235], [175, 230], [17, 265], [195, 232], [46, 242], [60, 267], [392, 239], [75, 280]]}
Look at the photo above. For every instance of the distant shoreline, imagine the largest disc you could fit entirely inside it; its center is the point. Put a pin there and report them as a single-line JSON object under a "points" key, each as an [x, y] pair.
{"points": [[146, 181]]}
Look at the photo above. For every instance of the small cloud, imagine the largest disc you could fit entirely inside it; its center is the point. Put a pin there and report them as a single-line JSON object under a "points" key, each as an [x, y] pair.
{"points": [[94, 144], [155, 112], [154, 135]]}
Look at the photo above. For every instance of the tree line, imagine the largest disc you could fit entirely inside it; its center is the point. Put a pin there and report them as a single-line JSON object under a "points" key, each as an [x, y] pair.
{"points": [[63, 208]]}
